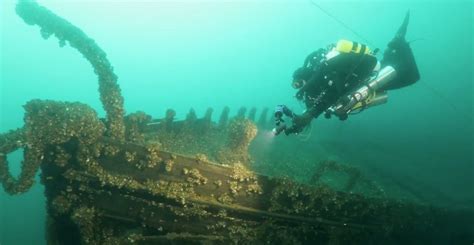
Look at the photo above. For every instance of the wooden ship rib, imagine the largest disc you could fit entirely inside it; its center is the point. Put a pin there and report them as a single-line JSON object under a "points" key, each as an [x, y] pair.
{"points": [[137, 180]]}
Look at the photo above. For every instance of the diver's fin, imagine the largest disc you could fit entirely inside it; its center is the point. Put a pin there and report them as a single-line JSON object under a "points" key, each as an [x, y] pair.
{"points": [[402, 31], [400, 56]]}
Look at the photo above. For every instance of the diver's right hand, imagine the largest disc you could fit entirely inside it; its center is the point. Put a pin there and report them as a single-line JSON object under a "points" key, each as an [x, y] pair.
{"points": [[280, 128]]}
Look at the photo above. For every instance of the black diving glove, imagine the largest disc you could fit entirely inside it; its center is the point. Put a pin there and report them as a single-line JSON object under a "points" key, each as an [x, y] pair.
{"points": [[299, 123]]}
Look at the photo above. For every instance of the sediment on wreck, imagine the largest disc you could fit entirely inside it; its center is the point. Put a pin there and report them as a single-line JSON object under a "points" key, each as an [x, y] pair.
{"points": [[107, 190], [46, 123], [225, 141], [110, 93], [33, 138]]}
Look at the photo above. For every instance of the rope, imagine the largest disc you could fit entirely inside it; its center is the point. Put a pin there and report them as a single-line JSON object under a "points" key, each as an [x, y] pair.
{"points": [[341, 22]]}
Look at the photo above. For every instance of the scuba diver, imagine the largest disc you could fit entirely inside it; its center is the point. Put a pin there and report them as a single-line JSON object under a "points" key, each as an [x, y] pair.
{"points": [[346, 78]]}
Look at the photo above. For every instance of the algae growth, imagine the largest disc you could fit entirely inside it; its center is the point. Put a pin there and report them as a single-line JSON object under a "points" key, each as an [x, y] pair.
{"points": [[134, 179]]}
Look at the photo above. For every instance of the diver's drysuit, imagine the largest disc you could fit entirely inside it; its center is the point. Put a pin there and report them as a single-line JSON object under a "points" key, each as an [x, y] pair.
{"points": [[346, 76]]}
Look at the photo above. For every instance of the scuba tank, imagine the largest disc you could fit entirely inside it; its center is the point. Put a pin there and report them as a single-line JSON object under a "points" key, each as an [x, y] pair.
{"points": [[345, 46], [363, 97], [377, 98]]}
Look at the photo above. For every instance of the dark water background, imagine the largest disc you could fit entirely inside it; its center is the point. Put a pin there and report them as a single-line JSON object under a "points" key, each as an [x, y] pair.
{"points": [[242, 53]]}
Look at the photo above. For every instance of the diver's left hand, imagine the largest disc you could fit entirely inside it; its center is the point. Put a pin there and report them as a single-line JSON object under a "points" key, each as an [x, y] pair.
{"points": [[299, 123], [293, 130]]}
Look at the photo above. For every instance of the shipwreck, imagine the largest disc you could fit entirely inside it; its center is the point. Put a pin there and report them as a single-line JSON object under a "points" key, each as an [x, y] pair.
{"points": [[134, 179]]}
